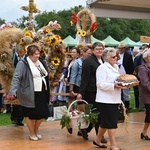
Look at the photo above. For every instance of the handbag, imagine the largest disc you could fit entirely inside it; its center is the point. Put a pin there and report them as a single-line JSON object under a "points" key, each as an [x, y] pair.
{"points": [[59, 111]]}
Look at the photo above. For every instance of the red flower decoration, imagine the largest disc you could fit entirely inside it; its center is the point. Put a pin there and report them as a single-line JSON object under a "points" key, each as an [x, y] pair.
{"points": [[74, 18], [93, 27]]}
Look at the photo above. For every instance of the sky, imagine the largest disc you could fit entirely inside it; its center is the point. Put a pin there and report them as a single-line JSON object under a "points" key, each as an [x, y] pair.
{"points": [[10, 10]]}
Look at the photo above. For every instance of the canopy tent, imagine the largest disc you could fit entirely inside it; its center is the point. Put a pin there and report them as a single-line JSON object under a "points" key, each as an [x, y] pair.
{"points": [[129, 43], [109, 41], [93, 39], [139, 42], [70, 41]]}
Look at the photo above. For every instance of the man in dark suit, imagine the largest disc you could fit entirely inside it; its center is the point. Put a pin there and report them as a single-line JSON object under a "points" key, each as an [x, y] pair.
{"points": [[16, 113], [127, 61]]}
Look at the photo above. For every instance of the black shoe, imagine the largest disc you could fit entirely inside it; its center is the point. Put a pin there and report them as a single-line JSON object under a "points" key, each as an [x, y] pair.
{"points": [[70, 130], [103, 140], [8, 112], [79, 133], [19, 124], [14, 122], [101, 146], [145, 137], [84, 134]]}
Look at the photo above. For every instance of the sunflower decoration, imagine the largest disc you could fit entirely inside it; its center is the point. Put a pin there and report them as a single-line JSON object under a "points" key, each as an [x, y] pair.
{"points": [[28, 33], [55, 61], [52, 40], [81, 33], [46, 31], [23, 42]]}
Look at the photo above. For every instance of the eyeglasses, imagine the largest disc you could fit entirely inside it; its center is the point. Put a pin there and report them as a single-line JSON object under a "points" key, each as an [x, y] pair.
{"points": [[114, 57], [99, 49]]}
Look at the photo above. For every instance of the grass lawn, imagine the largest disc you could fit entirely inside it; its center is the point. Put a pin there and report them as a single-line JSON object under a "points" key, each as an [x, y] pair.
{"points": [[5, 118]]}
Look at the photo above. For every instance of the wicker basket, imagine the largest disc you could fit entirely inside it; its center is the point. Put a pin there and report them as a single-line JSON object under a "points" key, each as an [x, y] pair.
{"points": [[12, 102], [77, 121]]}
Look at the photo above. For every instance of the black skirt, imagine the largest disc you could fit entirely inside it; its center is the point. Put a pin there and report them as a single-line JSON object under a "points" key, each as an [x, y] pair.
{"points": [[147, 112], [41, 109], [108, 115]]}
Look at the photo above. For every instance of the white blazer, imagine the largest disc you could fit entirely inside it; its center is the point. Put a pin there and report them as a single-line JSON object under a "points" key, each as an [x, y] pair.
{"points": [[105, 78]]}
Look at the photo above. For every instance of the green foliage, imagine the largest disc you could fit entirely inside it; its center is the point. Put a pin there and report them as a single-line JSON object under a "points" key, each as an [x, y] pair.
{"points": [[2, 21], [65, 121], [93, 118]]}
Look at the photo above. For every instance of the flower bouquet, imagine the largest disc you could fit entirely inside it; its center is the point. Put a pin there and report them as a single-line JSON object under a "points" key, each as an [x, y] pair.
{"points": [[79, 119]]}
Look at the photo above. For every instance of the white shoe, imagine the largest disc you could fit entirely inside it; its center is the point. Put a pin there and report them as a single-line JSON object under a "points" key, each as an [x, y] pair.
{"points": [[50, 119], [4, 112], [39, 136], [33, 138]]}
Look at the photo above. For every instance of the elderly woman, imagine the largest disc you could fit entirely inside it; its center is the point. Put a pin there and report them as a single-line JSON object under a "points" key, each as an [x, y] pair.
{"points": [[144, 90], [108, 97], [30, 84]]}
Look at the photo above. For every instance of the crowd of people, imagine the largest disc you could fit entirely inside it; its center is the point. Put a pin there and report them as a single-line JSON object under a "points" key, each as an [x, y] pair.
{"points": [[89, 73]]}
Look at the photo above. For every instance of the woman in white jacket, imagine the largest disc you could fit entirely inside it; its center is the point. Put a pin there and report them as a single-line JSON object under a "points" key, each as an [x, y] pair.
{"points": [[108, 97]]}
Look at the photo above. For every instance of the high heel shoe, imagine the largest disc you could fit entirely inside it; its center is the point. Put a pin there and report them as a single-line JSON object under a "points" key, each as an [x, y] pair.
{"points": [[145, 137], [70, 130], [101, 146]]}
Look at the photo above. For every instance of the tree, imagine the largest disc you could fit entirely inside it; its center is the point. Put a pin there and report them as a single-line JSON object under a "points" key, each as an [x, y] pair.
{"points": [[2, 21], [117, 28]]}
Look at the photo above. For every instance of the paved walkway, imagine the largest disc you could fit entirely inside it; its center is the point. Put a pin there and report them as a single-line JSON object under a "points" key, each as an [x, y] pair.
{"points": [[55, 138]]}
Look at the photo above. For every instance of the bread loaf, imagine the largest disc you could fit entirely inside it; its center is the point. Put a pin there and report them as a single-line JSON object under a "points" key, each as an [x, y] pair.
{"points": [[127, 80]]}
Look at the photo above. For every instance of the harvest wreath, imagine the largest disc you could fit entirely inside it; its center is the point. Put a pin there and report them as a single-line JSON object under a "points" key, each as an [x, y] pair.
{"points": [[79, 119], [85, 22], [52, 50]]}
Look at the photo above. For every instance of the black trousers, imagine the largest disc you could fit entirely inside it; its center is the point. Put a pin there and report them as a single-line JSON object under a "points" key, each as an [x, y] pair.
{"points": [[147, 113], [16, 114]]}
